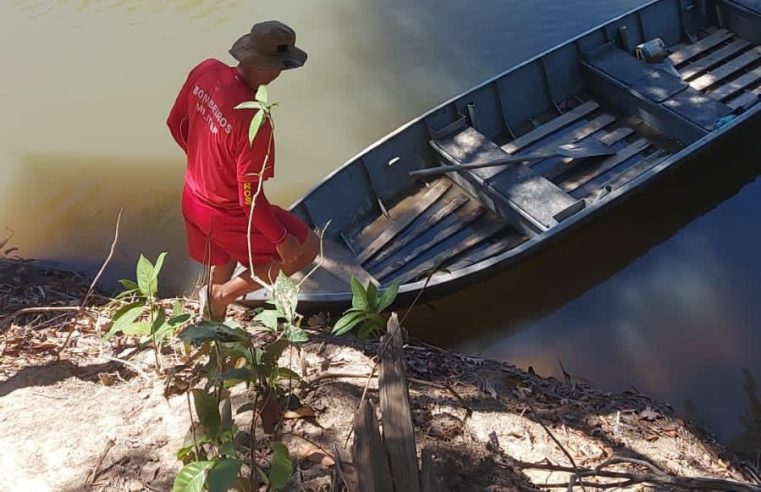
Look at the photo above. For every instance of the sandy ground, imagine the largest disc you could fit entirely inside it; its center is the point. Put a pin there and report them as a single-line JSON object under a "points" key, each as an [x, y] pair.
{"points": [[89, 421]]}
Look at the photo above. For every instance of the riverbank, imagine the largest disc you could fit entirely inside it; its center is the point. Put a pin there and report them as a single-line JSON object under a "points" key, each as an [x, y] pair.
{"points": [[96, 416]]}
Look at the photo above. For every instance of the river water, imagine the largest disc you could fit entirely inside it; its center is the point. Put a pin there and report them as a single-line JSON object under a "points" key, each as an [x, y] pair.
{"points": [[661, 299]]}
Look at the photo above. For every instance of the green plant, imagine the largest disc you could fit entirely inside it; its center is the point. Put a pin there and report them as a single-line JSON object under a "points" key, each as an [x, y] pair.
{"points": [[141, 315], [217, 451], [366, 309], [260, 102]]}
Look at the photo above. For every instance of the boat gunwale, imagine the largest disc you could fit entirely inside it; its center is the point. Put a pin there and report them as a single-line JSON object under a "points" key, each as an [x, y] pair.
{"points": [[355, 159], [531, 244]]}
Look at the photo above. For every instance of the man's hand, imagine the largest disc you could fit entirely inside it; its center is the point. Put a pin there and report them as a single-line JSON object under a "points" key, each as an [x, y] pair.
{"points": [[289, 249]]}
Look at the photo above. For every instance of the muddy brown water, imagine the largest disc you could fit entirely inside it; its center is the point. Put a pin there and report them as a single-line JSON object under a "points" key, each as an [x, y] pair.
{"points": [[661, 295]]}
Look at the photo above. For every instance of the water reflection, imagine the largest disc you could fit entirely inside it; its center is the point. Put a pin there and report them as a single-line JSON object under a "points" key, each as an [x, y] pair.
{"points": [[209, 12], [655, 294]]}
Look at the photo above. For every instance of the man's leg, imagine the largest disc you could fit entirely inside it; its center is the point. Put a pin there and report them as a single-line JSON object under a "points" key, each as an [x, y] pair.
{"points": [[225, 289]]}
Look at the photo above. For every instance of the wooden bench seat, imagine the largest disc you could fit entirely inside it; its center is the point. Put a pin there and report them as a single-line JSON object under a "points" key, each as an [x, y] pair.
{"points": [[660, 98], [516, 192]]}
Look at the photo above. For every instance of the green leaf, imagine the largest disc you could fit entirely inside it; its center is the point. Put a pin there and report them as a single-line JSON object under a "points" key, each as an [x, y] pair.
{"points": [[262, 94], [286, 296], [158, 320], [222, 476], [365, 331], [272, 353], [207, 411], [125, 316], [144, 273], [189, 444], [372, 297], [126, 293], [157, 267], [192, 477], [178, 320], [256, 123], [176, 308], [249, 105], [207, 331], [388, 297], [268, 318], [359, 295], [128, 284], [237, 374], [285, 373], [282, 467], [226, 415], [346, 323], [140, 328], [227, 449], [294, 334]]}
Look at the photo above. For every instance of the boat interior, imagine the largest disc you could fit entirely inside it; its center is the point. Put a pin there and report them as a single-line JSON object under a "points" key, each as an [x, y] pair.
{"points": [[605, 85]]}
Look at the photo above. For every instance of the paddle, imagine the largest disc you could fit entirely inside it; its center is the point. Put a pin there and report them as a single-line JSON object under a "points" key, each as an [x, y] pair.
{"points": [[591, 148]]}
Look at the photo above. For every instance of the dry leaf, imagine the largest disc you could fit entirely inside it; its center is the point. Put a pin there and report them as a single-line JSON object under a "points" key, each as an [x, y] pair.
{"points": [[299, 413], [105, 378]]}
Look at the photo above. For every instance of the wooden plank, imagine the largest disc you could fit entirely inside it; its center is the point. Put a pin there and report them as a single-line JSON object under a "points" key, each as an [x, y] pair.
{"points": [[747, 99], [422, 225], [527, 193], [619, 178], [737, 84], [616, 135], [623, 155], [724, 71], [487, 230], [700, 66], [362, 239], [457, 224], [565, 164], [369, 453], [430, 481], [550, 126], [549, 144], [341, 263], [398, 434], [481, 253], [404, 213], [692, 50]]}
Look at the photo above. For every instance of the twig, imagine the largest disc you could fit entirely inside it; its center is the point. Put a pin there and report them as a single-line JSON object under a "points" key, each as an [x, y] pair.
{"points": [[552, 436], [445, 388], [339, 466], [95, 280], [108, 259], [660, 478], [132, 366], [321, 235], [94, 473], [327, 453], [336, 375]]}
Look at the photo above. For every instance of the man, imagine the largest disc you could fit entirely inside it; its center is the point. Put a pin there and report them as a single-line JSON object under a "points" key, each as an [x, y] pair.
{"points": [[224, 170]]}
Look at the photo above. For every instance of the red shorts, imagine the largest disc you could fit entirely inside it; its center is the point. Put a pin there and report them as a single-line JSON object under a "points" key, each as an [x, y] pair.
{"points": [[215, 236]]}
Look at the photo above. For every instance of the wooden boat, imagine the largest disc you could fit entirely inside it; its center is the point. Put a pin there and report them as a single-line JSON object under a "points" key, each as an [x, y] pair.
{"points": [[609, 85]]}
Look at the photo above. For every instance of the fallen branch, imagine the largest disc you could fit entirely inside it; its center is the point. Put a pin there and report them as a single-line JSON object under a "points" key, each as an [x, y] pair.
{"points": [[632, 478], [94, 474], [95, 280]]}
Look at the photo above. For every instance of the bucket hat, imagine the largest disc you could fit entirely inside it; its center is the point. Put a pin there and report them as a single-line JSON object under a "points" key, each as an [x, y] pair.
{"points": [[271, 45]]}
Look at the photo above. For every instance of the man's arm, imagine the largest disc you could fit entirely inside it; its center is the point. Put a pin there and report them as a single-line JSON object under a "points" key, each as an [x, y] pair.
{"points": [[178, 120], [178, 117]]}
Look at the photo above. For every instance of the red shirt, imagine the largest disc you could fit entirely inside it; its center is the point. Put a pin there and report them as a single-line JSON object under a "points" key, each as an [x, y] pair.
{"points": [[223, 167]]}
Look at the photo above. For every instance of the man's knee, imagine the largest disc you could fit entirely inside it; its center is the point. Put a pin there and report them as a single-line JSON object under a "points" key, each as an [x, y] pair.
{"points": [[311, 248]]}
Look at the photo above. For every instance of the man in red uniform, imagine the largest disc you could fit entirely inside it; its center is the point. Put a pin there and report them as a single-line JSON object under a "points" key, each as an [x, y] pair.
{"points": [[224, 169]]}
